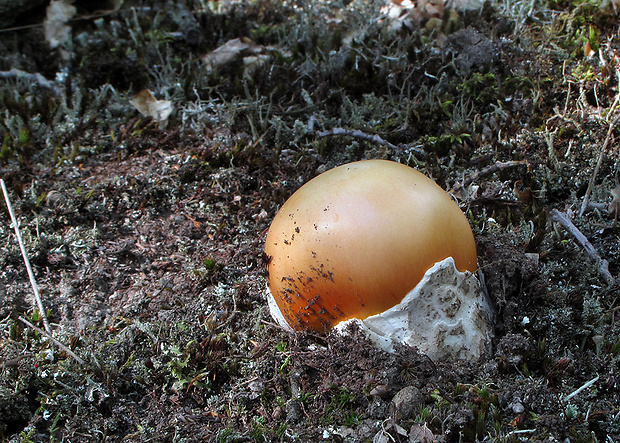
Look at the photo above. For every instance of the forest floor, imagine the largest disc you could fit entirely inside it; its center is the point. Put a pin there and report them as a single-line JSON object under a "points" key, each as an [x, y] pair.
{"points": [[146, 237]]}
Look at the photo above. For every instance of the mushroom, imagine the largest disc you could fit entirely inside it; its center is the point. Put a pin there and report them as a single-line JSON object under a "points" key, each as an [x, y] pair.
{"points": [[356, 242]]}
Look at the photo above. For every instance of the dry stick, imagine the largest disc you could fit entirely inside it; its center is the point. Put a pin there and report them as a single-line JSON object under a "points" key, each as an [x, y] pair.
{"points": [[603, 269], [35, 78], [495, 167], [56, 342], [356, 133], [33, 283], [586, 198], [585, 386]]}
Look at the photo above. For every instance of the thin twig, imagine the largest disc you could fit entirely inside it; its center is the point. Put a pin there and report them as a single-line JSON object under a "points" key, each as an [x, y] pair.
{"points": [[56, 342], [34, 78], [13, 361], [585, 386], [495, 167], [33, 283], [603, 269], [586, 198], [356, 133]]}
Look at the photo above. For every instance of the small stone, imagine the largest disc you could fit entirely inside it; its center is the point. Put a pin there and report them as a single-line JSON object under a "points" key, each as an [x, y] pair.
{"points": [[380, 391], [517, 407], [278, 413], [406, 402]]}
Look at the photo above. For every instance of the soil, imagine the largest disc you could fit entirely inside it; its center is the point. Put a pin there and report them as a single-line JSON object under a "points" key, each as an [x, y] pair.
{"points": [[146, 237]]}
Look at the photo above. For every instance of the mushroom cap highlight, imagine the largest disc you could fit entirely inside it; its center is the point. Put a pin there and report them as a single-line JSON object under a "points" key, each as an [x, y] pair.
{"points": [[353, 241]]}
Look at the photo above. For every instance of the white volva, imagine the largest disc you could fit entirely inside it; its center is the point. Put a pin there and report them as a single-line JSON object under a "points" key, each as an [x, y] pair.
{"points": [[445, 316]]}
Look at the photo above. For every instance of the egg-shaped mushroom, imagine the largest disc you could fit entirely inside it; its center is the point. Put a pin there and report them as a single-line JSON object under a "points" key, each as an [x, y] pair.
{"points": [[355, 240]]}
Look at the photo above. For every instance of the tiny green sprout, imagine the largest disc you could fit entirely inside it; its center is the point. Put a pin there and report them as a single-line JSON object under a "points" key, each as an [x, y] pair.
{"points": [[351, 418], [5, 149], [14, 331], [423, 414], [285, 364], [447, 107], [480, 421], [227, 435], [281, 431], [571, 411], [184, 326], [41, 199], [127, 363], [34, 316], [460, 389], [209, 264], [258, 429], [305, 398], [23, 136], [344, 397], [54, 427], [281, 347], [615, 348], [436, 396], [27, 434], [542, 347], [485, 393]]}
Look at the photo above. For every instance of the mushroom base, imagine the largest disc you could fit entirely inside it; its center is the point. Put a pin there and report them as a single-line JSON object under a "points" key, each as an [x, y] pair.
{"points": [[446, 315]]}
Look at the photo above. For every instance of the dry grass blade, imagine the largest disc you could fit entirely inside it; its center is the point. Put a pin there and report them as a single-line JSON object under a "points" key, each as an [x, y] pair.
{"points": [[56, 342], [33, 282], [586, 198]]}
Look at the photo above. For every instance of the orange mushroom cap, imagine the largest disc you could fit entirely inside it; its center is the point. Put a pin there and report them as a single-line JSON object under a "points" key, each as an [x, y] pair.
{"points": [[353, 241]]}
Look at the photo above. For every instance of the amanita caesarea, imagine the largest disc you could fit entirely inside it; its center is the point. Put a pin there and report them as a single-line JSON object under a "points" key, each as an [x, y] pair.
{"points": [[378, 243]]}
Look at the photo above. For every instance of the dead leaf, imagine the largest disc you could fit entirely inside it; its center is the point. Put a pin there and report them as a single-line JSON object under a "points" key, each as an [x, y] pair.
{"points": [[421, 434], [524, 194], [231, 51], [146, 103]]}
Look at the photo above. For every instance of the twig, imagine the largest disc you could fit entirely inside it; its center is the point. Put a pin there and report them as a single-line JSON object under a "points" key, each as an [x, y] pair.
{"points": [[356, 133], [585, 386], [586, 198], [13, 361], [496, 167], [56, 342], [521, 431], [33, 283], [35, 78], [603, 269]]}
